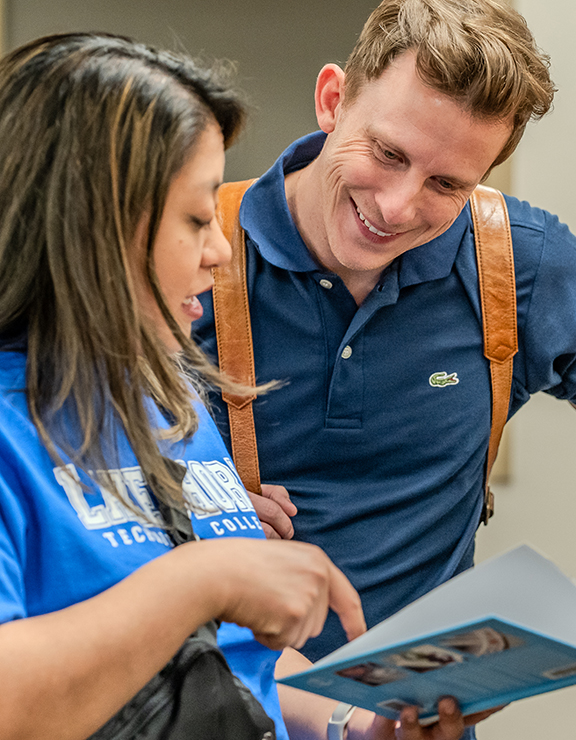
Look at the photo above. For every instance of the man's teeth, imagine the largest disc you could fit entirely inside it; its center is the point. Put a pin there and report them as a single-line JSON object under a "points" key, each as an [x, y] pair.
{"points": [[189, 301], [373, 229]]}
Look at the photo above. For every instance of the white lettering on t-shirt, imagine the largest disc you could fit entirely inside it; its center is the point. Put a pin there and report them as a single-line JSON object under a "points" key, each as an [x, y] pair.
{"points": [[218, 530], [210, 488], [115, 508], [92, 517], [197, 499], [126, 539], [227, 477], [139, 491], [138, 533], [152, 535]]}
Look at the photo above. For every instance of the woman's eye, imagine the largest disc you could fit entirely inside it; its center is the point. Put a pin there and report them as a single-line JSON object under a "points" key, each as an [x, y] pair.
{"points": [[199, 223], [389, 155]]}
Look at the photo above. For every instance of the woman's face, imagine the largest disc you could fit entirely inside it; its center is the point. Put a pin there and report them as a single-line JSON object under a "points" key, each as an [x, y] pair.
{"points": [[189, 241]]}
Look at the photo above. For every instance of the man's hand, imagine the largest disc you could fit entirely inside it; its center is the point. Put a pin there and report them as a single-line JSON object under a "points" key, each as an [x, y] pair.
{"points": [[450, 726], [274, 510], [306, 714]]}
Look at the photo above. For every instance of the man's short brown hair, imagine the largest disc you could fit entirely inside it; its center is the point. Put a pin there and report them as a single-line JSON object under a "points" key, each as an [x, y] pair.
{"points": [[479, 52]]}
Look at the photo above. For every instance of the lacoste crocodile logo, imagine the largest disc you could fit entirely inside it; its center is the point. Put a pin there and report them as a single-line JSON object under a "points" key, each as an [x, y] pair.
{"points": [[439, 380]]}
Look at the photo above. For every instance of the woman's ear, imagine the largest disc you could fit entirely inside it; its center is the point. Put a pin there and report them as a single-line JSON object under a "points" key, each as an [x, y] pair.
{"points": [[328, 96]]}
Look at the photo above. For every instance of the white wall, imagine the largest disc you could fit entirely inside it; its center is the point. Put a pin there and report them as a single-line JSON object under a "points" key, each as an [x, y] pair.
{"points": [[539, 505], [544, 168]]}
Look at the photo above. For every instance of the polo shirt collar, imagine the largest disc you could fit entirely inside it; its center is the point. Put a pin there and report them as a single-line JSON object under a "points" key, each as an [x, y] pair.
{"points": [[265, 217], [435, 259], [264, 213]]}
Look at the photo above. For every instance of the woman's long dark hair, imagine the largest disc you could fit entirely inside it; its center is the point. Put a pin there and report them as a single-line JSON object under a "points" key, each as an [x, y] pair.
{"points": [[93, 128]]}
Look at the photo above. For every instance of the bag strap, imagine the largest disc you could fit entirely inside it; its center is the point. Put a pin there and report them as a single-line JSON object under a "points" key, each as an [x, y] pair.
{"points": [[495, 258], [234, 335]]}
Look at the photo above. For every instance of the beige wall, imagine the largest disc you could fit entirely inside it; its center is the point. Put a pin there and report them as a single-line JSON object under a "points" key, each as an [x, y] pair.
{"points": [[539, 504], [279, 47]]}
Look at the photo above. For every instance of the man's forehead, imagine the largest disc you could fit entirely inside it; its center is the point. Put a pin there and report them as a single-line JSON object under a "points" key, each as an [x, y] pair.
{"points": [[403, 70], [402, 85]]}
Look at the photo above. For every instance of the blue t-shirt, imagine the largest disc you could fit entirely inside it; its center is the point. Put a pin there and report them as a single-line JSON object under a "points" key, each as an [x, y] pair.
{"points": [[61, 543], [386, 467]]}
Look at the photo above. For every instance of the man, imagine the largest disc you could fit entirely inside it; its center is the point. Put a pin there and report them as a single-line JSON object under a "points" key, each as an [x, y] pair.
{"points": [[363, 286]]}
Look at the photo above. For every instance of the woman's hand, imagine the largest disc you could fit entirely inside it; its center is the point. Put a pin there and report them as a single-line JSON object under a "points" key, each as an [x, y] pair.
{"points": [[282, 590]]}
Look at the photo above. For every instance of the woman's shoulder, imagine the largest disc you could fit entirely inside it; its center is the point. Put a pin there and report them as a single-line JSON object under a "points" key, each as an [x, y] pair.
{"points": [[12, 379], [19, 442], [12, 364]]}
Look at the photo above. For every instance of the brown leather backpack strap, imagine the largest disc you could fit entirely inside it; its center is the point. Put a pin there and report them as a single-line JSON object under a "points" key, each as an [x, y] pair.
{"points": [[495, 258], [234, 334]]}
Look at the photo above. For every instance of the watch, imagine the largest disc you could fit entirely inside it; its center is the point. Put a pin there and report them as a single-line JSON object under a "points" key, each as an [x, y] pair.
{"points": [[339, 721]]}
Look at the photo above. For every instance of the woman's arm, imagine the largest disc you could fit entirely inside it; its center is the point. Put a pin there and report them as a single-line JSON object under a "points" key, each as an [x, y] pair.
{"points": [[65, 674]]}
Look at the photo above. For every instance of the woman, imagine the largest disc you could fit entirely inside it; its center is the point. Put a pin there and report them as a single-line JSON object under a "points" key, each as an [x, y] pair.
{"points": [[111, 156]]}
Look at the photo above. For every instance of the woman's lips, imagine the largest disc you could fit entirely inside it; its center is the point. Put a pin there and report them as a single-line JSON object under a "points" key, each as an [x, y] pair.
{"points": [[192, 308]]}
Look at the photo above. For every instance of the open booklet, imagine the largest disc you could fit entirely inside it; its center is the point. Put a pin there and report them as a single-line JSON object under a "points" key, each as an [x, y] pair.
{"points": [[502, 631]]}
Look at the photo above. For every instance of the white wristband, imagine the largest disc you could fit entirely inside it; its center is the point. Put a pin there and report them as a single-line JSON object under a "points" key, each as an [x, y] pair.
{"points": [[339, 721]]}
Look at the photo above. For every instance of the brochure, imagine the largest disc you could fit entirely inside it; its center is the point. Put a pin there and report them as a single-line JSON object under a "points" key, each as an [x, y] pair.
{"points": [[499, 632]]}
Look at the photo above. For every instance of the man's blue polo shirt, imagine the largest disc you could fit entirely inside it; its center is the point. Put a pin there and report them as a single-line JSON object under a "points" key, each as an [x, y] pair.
{"points": [[385, 467]]}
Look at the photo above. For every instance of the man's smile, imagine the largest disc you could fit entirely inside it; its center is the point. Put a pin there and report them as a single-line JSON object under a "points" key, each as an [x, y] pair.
{"points": [[372, 228]]}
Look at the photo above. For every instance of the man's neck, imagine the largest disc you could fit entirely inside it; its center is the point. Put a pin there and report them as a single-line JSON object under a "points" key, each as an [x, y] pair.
{"points": [[302, 195]]}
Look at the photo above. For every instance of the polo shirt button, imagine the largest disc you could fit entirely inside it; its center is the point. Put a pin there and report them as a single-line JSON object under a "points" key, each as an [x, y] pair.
{"points": [[326, 284], [346, 352]]}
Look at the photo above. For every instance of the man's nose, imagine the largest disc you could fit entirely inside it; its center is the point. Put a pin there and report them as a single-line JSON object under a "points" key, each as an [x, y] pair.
{"points": [[399, 204]]}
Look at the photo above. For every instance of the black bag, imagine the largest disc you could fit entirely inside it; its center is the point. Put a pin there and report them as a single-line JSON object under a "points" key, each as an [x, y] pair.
{"points": [[195, 696]]}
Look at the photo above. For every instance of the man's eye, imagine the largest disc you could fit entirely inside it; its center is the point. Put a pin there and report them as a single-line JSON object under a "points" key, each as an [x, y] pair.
{"points": [[382, 153], [445, 184]]}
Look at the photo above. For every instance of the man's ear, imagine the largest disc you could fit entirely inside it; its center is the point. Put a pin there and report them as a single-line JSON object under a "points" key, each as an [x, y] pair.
{"points": [[328, 96]]}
